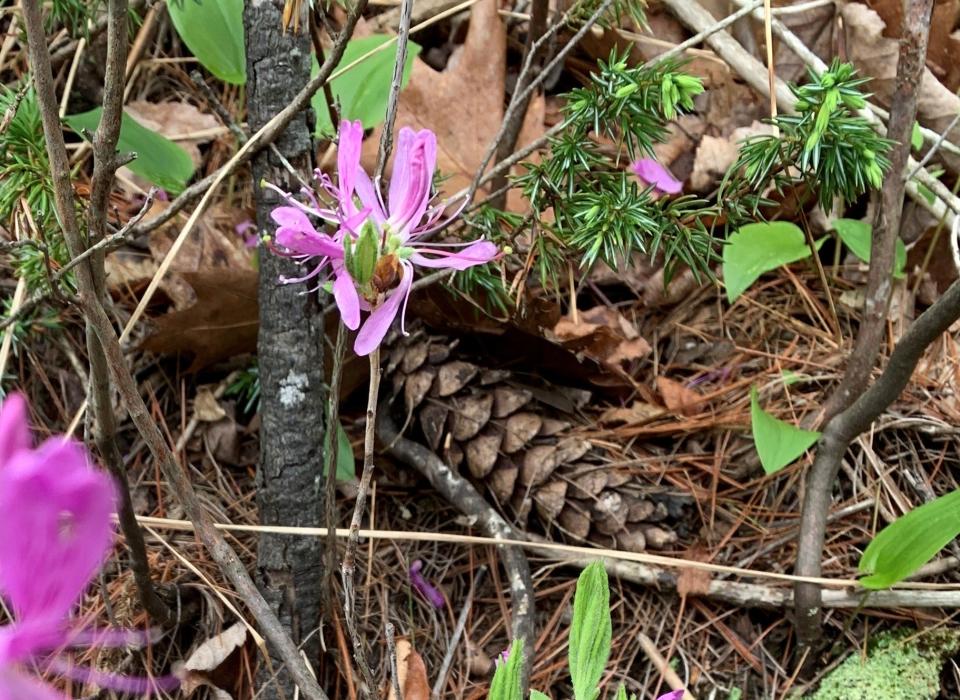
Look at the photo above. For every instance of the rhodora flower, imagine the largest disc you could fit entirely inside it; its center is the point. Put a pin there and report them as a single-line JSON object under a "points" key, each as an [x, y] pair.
{"points": [[55, 533], [673, 695], [376, 246], [650, 172], [426, 589]]}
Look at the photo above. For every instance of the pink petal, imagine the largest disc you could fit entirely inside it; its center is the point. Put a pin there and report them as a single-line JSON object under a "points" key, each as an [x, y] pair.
{"points": [[308, 242], [409, 199], [400, 177], [348, 161], [17, 686], [348, 301], [652, 173], [673, 695], [477, 253], [368, 196], [292, 218], [14, 430], [378, 323], [57, 531]]}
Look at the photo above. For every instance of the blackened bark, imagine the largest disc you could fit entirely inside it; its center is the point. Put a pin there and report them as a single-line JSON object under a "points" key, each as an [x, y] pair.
{"points": [[290, 350]]}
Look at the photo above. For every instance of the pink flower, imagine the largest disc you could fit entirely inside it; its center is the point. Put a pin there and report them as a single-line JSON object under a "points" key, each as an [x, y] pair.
{"points": [[650, 172], [426, 589], [673, 695], [55, 533], [376, 245]]}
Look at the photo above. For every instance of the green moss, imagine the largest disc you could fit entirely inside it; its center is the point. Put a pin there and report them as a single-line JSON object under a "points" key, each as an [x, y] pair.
{"points": [[899, 666]]}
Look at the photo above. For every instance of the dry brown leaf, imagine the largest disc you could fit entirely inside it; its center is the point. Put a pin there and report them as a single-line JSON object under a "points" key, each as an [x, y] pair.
{"points": [[604, 335], [677, 397], [411, 674], [207, 658], [942, 50], [221, 324], [463, 104], [876, 56], [637, 412], [206, 406]]}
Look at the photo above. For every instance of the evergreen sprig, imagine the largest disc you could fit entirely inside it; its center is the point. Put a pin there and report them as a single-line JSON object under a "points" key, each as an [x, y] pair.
{"points": [[826, 145]]}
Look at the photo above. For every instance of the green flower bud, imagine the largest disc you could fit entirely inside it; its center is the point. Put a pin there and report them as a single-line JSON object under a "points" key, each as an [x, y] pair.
{"points": [[360, 258]]}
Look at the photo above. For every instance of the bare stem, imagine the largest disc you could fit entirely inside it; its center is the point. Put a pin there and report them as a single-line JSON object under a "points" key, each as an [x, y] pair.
{"points": [[331, 451], [349, 558], [849, 395], [386, 136]]}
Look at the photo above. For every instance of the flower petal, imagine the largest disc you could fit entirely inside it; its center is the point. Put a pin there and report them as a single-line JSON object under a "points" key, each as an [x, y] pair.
{"points": [[348, 301], [652, 173], [368, 197], [308, 242], [348, 162], [14, 431], [400, 177], [57, 531], [477, 253], [672, 695], [410, 197], [378, 323], [18, 686], [292, 218]]}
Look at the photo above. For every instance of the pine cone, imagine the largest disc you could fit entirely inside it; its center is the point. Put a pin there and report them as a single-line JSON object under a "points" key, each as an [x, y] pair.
{"points": [[521, 442]]}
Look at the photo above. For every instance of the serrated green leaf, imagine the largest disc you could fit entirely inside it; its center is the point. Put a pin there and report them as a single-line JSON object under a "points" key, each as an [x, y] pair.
{"points": [[590, 632], [159, 159], [910, 541], [856, 235], [213, 31], [916, 137], [757, 248], [778, 443], [363, 91], [506, 679]]}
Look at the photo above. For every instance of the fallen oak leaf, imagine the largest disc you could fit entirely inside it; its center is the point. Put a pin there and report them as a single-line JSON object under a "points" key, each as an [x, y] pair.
{"points": [[463, 104], [195, 672], [221, 324], [411, 674], [677, 397]]}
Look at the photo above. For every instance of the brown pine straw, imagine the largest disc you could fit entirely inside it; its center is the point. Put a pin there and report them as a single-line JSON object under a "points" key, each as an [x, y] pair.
{"points": [[597, 552]]}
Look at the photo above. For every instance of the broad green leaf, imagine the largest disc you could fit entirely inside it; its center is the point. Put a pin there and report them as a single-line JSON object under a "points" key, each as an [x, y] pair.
{"points": [[778, 443], [362, 91], [916, 137], [159, 159], [590, 632], [506, 679], [346, 464], [757, 248], [537, 695], [856, 235], [213, 31], [910, 541]]}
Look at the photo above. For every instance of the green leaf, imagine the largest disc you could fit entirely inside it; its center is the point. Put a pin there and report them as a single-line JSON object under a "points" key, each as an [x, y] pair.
{"points": [[857, 235], [916, 137], [213, 31], [757, 248], [537, 695], [590, 632], [910, 541], [346, 464], [362, 91], [778, 443], [506, 679], [159, 159]]}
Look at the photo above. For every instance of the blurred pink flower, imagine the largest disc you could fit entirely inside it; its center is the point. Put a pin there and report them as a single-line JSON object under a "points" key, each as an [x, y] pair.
{"points": [[426, 589], [650, 172], [56, 531], [374, 273]]}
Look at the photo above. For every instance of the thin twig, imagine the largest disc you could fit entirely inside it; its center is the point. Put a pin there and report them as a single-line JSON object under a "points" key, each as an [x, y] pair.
{"points": [[331, 449], [454, 642], [349, 558], [392, 654], [462, 494], [386, 136]]}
